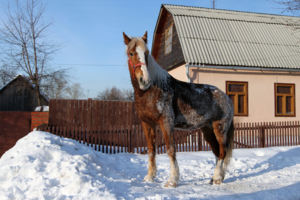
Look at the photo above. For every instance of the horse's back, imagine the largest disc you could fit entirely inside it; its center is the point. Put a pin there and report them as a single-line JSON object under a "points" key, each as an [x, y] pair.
{"points": [[196, 105]]}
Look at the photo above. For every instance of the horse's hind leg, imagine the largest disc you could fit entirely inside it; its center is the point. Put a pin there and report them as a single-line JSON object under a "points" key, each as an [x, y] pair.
{"points": [[149, 131], [168, 133], [221, 130]]}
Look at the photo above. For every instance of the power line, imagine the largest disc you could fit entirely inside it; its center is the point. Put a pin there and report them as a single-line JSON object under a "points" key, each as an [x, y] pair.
{"points": [[96, 65]]}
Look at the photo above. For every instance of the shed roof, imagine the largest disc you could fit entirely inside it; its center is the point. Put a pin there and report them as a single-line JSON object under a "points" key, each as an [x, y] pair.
{"points": [[26, 79], [233, 38]]}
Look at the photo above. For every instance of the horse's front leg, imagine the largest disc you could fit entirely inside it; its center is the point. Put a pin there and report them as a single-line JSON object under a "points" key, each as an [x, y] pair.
{"points": [[167, 128], [149, 131]]}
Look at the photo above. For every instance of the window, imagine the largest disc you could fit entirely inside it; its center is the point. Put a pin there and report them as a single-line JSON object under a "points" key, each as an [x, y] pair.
{"points": [[284, 100], [168, 39], [238, 93]]}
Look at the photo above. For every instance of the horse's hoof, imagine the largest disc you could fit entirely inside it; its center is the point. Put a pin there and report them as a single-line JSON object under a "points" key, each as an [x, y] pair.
{"points": [[148, 179], [215, 182], [171, 184], [218, 182]]}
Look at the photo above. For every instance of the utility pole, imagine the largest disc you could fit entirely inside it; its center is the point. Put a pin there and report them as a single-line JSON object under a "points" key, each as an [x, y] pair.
{"points": [[214, 4]]}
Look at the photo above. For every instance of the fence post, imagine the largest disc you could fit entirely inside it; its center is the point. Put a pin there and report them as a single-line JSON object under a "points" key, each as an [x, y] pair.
{"points": [[262, 130], [130, 140], [199, 140]]}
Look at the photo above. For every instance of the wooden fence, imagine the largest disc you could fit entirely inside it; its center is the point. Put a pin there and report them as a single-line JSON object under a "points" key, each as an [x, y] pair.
{"points": [[92, 113], [118, 139]]}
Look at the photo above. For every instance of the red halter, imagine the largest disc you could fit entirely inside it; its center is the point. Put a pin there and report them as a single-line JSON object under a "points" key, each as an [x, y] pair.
{"points": [[135, 66]]}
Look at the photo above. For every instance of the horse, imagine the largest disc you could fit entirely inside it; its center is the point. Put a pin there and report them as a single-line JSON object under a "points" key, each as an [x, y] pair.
{"points": [[160, 99]]}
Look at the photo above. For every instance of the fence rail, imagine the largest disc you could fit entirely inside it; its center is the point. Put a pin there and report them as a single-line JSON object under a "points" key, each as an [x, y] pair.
{"points": [[131, 139]]}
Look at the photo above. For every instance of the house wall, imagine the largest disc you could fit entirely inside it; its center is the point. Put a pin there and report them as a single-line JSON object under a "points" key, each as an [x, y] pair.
{"points": [[261, 97]]}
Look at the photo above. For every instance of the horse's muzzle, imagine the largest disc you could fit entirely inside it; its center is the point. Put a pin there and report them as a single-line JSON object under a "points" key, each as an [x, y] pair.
{"points": [[144, 85]]}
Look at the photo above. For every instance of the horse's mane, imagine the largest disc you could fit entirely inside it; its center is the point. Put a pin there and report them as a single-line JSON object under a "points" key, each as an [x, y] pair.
{"points": [[135, 41], [157, 74]]}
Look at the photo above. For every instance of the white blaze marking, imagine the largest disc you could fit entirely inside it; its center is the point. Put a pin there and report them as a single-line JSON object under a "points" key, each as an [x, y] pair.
{"points": [[141, 55]]}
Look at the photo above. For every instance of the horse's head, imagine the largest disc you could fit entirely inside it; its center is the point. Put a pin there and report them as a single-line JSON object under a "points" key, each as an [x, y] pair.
{"points": [[137, 52]]}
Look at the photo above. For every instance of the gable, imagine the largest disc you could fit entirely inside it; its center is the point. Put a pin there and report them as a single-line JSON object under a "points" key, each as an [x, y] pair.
{"points": [[173, 58]]}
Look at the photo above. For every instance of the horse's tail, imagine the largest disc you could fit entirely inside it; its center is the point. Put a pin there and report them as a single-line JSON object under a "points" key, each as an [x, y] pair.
{"points": [[230, 140]]}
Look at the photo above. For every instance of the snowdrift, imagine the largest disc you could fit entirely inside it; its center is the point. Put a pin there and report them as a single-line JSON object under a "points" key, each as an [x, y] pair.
{"points": [[45, 166]]}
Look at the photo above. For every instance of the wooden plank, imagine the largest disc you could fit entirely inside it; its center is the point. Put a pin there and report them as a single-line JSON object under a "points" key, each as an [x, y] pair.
{"points": [[140, 138], [130, 114], [238, 136], [110, 138], [101, 114], [199, 140], [268, 133], [89, 114], [284, 133], [298, 132], [56, 130], [94, 114], [85, 113], [75, 104], [290, 133], [99, 138], [52, 109], [119, 113], [250, 135], [248, 127], [105, 115], [274, 133], [130, 139]]}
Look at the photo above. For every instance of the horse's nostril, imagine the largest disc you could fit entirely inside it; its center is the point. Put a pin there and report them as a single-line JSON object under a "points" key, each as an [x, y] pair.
{"points": [[141, 79]]}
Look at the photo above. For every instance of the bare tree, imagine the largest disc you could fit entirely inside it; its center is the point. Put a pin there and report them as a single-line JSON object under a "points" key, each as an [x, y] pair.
{"points": [[6, 74], [75, 91], [128, 95], [25, 44], [214, 4], [292, 6], [114, 93], [56, 89]]}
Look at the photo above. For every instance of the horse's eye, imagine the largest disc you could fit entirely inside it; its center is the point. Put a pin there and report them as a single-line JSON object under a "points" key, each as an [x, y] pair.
{"points": [[131, 54]]}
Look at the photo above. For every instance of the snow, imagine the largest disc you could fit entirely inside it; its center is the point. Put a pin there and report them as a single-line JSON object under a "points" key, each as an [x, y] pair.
{"points": [[45, 166], [43, 108]]}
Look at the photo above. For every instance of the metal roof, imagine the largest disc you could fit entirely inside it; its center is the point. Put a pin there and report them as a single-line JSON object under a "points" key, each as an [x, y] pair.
{"points": [[222, 37]]}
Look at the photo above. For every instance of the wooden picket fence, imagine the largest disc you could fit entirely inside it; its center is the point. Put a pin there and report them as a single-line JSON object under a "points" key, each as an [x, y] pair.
{"points": [[131, 139]]}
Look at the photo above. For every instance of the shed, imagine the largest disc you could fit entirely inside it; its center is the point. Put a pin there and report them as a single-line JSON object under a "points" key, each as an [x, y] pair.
{"points": [[19, 95]]}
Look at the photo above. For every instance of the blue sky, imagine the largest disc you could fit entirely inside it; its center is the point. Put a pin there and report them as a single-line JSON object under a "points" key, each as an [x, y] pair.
{"points": [[92, 34]]}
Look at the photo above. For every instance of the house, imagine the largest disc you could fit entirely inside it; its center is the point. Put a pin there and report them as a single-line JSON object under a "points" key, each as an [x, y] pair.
{"points": [[19, 95], [253, 57]]}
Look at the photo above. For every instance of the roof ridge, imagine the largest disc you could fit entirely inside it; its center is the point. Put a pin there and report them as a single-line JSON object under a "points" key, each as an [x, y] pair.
{"points": [[237, 11]]}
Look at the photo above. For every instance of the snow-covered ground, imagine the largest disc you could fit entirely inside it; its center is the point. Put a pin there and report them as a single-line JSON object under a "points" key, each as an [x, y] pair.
{"points": [[44, 166]]}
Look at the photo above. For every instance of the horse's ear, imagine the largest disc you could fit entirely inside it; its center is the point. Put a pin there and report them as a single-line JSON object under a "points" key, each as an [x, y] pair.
{"points": [[126, 39], [145, 37]]}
